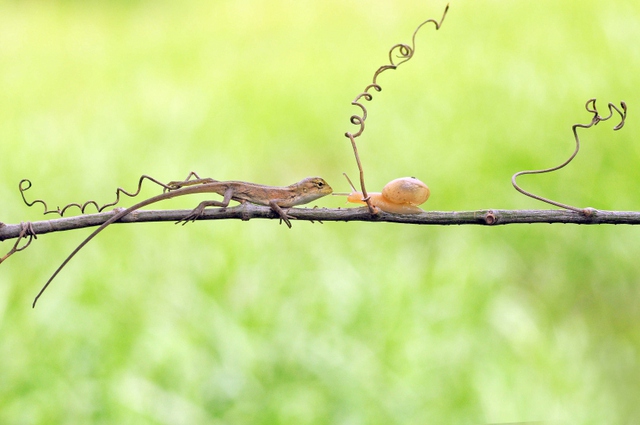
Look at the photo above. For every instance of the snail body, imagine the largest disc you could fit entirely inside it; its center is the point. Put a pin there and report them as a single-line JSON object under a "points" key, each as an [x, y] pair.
{"points": [[399, 196]]}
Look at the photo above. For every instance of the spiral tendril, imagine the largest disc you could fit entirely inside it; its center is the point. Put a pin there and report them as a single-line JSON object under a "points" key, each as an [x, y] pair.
{"points": [[398, 54], [590, 106], [25, 184], [27, 232]]}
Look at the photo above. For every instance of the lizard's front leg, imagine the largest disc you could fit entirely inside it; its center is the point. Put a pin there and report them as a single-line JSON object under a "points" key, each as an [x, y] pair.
{"points": [[283, 215]]}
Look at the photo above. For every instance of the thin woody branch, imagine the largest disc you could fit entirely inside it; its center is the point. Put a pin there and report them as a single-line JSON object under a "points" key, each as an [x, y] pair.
{"points": [[490, 217]]}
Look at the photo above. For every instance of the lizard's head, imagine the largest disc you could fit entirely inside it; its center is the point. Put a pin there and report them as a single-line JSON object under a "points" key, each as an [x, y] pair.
{"points": [[311, 189]]}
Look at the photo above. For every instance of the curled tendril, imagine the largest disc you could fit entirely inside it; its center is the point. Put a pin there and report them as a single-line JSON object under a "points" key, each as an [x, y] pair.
{"points": [[590, 106], [26, 231], [398, 54], [25, 185]]}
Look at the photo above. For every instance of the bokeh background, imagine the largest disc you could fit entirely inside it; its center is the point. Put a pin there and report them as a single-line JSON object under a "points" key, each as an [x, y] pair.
{"points": [[344, 323]]}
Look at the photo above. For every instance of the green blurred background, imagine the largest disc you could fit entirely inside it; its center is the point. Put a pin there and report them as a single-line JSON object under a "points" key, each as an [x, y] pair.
{"points": [[343, 323]]}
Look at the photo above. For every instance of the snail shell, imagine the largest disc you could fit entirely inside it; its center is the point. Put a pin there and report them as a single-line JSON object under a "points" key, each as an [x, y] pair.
{"points": [[399, 196], [406, 190]]}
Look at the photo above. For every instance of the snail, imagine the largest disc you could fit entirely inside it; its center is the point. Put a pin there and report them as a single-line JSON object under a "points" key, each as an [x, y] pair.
{"points": [[399, 196]]}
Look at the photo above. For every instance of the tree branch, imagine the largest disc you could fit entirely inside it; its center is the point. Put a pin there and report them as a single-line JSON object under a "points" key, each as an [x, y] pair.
{"points": [[490, 217]]}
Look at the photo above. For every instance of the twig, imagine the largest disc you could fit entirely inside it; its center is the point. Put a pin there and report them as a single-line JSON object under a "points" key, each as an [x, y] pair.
{"points": [[248, 211]]}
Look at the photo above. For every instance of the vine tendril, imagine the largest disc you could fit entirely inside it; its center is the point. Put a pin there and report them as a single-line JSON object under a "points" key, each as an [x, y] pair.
{"points": [[590, 106], [25, 184], [26, 231], [402, 53]]}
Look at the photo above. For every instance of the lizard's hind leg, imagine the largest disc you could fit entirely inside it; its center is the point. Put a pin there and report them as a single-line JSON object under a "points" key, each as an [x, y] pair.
{"points": [[199, 210], [188, 182]]}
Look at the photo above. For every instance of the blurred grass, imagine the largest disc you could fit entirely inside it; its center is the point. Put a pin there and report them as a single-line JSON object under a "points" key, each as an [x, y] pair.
{"points": [[342, 323]]}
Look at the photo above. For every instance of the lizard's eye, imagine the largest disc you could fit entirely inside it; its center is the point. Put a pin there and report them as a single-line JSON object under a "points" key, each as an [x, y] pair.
{"points": [[320, 184]]}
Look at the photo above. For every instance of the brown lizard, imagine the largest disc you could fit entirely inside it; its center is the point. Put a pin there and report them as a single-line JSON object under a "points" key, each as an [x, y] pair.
{"points": [[302, 192]]}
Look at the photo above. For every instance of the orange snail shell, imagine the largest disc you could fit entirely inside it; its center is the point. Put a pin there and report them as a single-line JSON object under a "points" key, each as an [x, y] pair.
{"points": [[399, 196], [406, 190]]}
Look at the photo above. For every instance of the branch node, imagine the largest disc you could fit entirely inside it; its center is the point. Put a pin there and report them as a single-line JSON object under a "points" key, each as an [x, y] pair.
{"points": [[490, 218]]}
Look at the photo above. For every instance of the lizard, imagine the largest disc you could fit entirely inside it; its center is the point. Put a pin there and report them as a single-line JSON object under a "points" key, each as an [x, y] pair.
{"points": [[302, 192]]}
